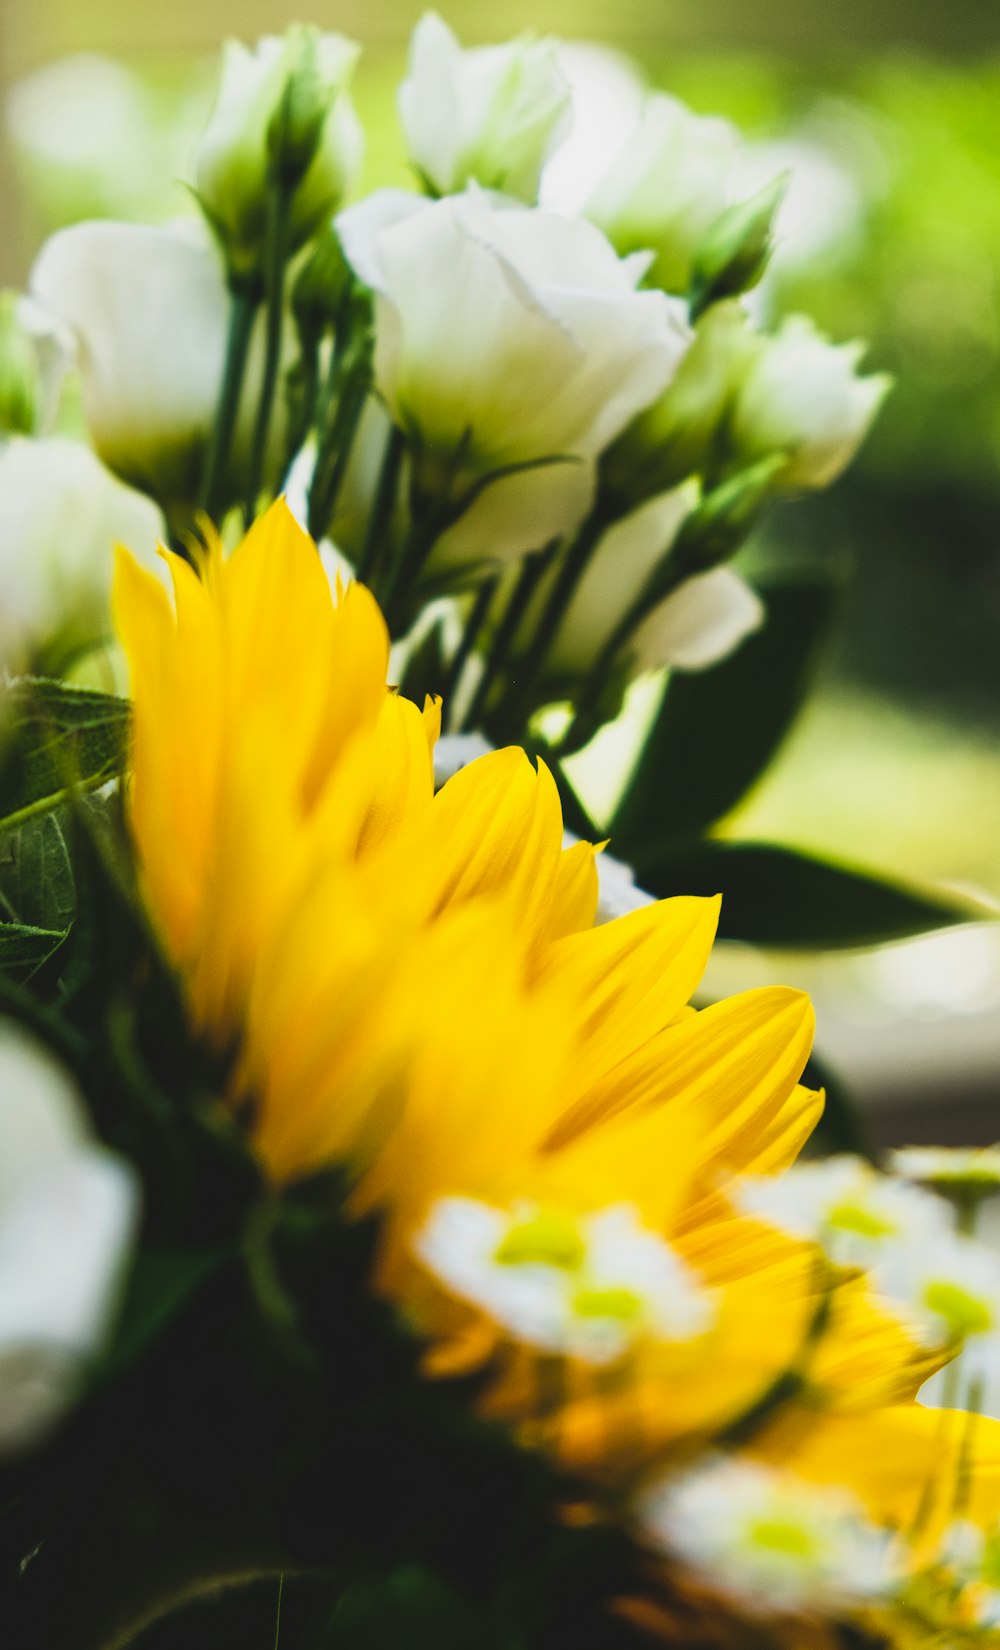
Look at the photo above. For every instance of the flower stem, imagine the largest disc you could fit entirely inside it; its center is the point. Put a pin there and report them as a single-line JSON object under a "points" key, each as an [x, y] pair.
{"points": [[244, 303], [279, 203], [470, 636], [348, 384], [380, 520], [528, 579], [574, 564], [302, 395], [656, 590]]}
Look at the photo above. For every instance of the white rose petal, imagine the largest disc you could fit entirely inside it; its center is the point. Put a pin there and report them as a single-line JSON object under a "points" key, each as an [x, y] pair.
{"points": [[150, 310], [61, 515], [703, 621], [615, 575], [666, 187], [518, 513]]}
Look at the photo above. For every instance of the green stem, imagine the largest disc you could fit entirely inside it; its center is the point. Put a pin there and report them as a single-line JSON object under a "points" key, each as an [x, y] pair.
{"points": [[276, 258], [383, 505], [571, 571], [51, 800], [580, 729], [470, 636], [243, 306], [269, 1291], [528, 580], [303, 388], [335, 453]]}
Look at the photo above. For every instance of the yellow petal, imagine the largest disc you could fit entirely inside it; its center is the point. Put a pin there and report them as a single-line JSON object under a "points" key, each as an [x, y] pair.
{"points": [[498, 831], [574, 899], [631, 978]]}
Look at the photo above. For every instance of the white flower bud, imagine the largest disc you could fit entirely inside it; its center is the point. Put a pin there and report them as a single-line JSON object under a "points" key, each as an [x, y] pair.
{"points": [[282, 112], [492, 115], [666, 187], [505, 336], [695, 626], [802, 396], [67, 1216], [36, 352], [150, 311], [61, 515], [698, 624]]}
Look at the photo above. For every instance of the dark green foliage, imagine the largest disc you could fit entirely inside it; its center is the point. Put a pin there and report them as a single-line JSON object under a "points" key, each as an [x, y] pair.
{"points": [[717, 730], [779, 897]]}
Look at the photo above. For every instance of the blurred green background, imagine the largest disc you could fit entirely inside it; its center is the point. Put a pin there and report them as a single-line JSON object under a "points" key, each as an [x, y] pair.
{"points": [[889, 114]]}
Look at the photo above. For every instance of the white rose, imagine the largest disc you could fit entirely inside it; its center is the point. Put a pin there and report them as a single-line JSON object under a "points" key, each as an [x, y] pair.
{"points": [[505, 335], [802, 395], [694, 627], [61, 515], [150, 311], [67, 1215], [492, 115], [303, 76], [666, 187]]}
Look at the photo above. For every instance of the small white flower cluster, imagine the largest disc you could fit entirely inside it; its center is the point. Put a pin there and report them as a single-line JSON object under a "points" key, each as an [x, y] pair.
{"points": [[587, 1287], [945, 1283], [769, 1542]]}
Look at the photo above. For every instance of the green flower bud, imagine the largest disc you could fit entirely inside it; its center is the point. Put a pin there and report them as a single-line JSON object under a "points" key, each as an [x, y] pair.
{"points": [[325, 286], [283, 116], [734, 254], [19, 375], [680, 433], [725, 517]]}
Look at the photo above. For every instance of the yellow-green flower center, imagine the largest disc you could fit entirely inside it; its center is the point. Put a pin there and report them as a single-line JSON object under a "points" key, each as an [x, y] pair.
{"points": [[849, 1216], [964, 1313], [783, 1535], [547, 1237], [613, 1301]]}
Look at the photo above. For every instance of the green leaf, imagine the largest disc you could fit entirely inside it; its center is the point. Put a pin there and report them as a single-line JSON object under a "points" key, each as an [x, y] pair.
{"points": [[36, 873], [780, 897], [59, 739], [23, 949], [717, 730], [162, 1283]]}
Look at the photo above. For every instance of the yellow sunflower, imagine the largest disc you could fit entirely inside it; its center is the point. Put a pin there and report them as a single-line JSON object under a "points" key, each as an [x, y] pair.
{"points": [[416, 993]]}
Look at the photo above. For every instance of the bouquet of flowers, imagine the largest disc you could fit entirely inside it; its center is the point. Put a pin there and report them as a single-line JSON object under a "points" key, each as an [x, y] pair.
{"points": [[391, 1252]]}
